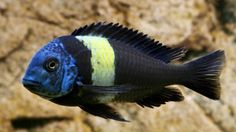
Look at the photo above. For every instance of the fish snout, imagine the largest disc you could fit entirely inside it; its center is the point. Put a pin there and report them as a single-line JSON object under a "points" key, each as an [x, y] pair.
{"points": [[30, 84]]}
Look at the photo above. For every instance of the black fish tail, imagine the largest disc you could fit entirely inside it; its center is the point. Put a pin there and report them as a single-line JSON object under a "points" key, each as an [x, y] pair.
{"points": [[204, 74]]}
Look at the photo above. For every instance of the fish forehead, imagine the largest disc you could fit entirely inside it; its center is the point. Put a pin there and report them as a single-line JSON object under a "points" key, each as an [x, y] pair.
{"points": [[54, 46], [102, 59]]}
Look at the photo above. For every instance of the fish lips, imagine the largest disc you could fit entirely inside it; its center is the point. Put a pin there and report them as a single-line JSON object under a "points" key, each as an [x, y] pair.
{"points": [[34, 87], [31, 84]]}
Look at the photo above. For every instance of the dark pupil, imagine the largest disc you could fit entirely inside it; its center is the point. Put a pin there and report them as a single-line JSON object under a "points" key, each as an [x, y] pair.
{"points": [[52, 65]]}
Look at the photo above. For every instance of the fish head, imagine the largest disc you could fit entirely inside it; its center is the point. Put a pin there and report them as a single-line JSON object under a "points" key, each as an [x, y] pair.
{"points": [[52, 71]]}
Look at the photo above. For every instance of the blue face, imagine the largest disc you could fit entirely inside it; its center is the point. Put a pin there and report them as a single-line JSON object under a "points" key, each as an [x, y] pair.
{"points": [[51, 72]]}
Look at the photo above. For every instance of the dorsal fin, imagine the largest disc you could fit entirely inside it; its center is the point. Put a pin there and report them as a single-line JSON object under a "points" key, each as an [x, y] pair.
{"points": [[133, 38]]}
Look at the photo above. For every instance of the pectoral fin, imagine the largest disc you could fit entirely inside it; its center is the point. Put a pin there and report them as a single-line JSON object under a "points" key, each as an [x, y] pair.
{"points": [[102, 94], [103, 111], [117, 89]]}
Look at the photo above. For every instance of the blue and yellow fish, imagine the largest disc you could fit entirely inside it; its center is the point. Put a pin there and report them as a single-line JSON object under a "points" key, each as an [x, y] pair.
{"points": [[105, 62]]}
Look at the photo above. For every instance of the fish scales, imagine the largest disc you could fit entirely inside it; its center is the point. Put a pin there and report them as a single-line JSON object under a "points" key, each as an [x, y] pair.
{"points": [[103, 63]]}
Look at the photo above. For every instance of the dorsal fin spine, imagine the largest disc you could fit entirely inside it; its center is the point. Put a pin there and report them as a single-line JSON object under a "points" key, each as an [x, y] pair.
{"points": [[135, 39]]}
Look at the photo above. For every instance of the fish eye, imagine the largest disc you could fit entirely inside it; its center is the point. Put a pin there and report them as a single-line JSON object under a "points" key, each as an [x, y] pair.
{"points": [[51, 64]]}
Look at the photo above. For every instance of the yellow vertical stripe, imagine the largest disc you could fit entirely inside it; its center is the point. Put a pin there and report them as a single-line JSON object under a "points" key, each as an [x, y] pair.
{"points": [[102, 60]]}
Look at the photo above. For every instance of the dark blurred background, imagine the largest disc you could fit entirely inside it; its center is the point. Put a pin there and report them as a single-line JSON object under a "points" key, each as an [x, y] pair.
{"points": [[200, 25]]}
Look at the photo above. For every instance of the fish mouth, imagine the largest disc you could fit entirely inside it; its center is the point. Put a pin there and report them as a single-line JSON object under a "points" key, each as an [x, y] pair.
{"points": [[31, 84], [34, 87]]}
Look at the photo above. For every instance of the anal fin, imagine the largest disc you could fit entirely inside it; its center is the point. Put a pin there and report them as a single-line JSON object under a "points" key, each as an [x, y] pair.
{"points": [[161, 97], [102, 110]]}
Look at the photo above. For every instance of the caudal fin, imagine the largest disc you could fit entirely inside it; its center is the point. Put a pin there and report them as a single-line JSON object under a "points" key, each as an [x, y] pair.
{"points": [[204, 74]]}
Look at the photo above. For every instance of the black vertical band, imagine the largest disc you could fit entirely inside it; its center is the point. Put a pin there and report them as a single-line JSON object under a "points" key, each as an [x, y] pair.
{"points": [[81, 54]]}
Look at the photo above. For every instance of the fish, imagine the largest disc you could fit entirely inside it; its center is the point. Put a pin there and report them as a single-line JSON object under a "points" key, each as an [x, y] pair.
{"points": [[102, 63]]}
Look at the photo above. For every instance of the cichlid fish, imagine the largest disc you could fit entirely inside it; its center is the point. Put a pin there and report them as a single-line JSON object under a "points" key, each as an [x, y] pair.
{"points": [[105, 62]]}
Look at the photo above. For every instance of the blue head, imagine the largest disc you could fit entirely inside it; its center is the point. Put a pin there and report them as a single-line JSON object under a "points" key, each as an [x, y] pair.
{"points": [[51, 72]]}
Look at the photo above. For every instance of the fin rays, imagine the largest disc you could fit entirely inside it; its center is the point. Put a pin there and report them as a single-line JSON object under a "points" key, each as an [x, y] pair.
{"points": [[131, 37], [161, 97]]}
